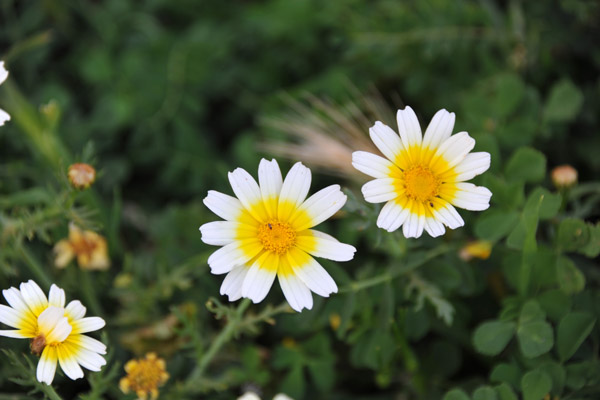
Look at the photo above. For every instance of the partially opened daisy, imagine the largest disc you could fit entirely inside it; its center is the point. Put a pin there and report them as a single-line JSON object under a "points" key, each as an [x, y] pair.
{"points": [[422, 177], [267, 233], [3, 75], [55, 331]]}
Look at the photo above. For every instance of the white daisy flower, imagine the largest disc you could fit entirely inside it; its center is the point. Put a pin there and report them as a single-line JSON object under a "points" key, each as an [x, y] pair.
{"points": [[267, 233], [424, 176], [3, 75], [56, 331]]}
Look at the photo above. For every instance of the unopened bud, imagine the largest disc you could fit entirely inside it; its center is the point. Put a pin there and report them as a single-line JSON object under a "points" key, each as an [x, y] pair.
{"points": [[81, 175], [564, 176], [478, 249]]}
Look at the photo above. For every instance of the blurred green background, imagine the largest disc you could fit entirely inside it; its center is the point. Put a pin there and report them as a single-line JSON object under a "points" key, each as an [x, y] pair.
{"points": [[164, 97]]}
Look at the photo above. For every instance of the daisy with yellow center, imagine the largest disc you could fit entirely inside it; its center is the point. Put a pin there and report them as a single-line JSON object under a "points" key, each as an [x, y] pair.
{"points": [[55, 331], [422, 177], [89, 248], [267, 233], [144, 376]]}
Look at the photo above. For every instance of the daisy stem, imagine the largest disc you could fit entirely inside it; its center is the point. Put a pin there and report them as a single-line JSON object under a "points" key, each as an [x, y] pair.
{"points": [[50, 392], [225, 336]]}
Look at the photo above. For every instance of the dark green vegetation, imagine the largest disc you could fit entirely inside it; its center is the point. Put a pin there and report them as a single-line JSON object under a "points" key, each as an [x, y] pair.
{"points": [[164, 97]]}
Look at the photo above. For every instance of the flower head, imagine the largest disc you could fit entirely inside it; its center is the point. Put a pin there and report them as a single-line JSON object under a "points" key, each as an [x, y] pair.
{"points": [[564, 176], [3, 75], [481, 249], [89, 248], [267, 233], [144, 376], [81, 175], [422, 177], [55, 331]]}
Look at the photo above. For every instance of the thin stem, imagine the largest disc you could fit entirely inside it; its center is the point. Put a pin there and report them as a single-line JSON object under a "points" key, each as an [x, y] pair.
{"points": [[50, 392], [34, 266]]}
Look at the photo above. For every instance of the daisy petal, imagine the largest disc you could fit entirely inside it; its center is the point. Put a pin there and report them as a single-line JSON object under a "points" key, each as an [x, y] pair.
{"points": [[86, 342], [225, 206], [232, 284], [10, 317], [56, 297], [68, 363], [270, 182], [3, 72], [75, 310], [392, 216], [247, 191], [4, 116], [318, 207], [293, 191], [434, 227], [371, 164], [472, 165], [260, 277], [15, 334], [34, 297], [439, 129], [294, 289], [386, 140], [311, 273], [237, 253], [409, 128], [88, 324], [380, 190], [471, 197], [324, 246], [455, 149], [414, 224], [47, 365], [447, 214], [15, 300], [90, 360], [221, 233]]}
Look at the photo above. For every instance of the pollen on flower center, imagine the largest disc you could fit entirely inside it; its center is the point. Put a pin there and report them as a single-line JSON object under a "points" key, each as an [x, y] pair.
{"points": [[420, 183], [276, 236]]}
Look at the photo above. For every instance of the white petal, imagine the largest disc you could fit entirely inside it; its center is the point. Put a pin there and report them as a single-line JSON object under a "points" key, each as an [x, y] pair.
{"points": [[455, 148], [434, 227], [14, 334], [449, 216], [16, 301], [386, 140], [281, 396], [232, 255], [3, 72], [319, 207], [293, 191], [439, 129], [221, 233], [379, 190], [9, 316], [88, 324], [247, 191], [260, 277], [409, 128], [325, 246], [249, 396], [232, 284], [47, 365], [75, 310], [472, 165], [61, 331], [270, 181], [90, 360], [312, 273], [227, 207], [88, 343], [4, 116], [414, 225], [56, 297], [471, 197], [69, 364], [371, 164], [392, 216], [295, 291], [33, 296]]}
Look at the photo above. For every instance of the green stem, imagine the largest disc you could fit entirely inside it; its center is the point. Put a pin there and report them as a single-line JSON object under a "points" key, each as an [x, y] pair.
{"points": [[50, 392], [89, 292], [36, 269], [225, 336]]}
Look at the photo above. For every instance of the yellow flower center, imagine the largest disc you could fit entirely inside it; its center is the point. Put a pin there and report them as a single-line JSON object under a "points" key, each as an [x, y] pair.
{"points": [[37, 344], [276, 236], [144, 376], [420, 183]]}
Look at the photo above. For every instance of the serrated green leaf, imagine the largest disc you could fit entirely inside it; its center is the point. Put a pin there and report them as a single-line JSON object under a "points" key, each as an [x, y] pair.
{"points": [[491, 337], [535, 385], [526, 165], [563, 103], [572, 331]]}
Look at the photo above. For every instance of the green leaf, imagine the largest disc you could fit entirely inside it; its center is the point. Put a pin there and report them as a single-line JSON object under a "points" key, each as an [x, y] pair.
{"points": [[557, 373], [572, 331], [535, 385], [534, 334], [491, 337], [531, 311], [526, 165], [573, 234], [563, 103], [456, 394], [570, 279], [508, 195], [583, 374], [505, 392], [550, 205], [495, 224], [592, 248], [509, 93], [484, 393], [555, 303], [506, 373]]}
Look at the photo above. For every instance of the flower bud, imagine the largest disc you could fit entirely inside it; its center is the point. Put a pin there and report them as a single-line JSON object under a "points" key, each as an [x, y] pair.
{"points": [[81, 175], [478, 249], [564, 176]]}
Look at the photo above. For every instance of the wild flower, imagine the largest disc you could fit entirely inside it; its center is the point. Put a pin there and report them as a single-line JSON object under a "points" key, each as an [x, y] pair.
{"points": [[144, 376], [88, 247]]}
